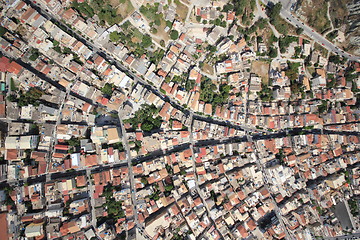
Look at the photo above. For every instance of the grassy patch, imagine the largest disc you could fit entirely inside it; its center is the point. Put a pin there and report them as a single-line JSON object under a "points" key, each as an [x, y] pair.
{"points": [[338, 12], [156, 20], [133, 39], [322, 50], [12, 85], [316, 14], [208, 68], [125, 9], [181, 10]]}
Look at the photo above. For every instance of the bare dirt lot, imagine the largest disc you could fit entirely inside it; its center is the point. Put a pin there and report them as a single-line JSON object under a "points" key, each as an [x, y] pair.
{"points": [[208, 69], [261, 69], [124, 9], [181, 10]]}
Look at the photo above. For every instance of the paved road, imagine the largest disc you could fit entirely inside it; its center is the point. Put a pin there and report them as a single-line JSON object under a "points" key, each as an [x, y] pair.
{"points": [[290, 18]]}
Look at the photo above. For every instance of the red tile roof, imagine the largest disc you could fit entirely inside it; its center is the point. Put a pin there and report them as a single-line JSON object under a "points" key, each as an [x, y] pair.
{"points": [[91, 160], [4, 226], [2, 110], [14, 68], [4, 64]]}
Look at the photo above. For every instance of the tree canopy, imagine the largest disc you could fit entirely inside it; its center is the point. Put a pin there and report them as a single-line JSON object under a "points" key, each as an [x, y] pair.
{"points": [[145, 117], [174, 34], [114, 36]]}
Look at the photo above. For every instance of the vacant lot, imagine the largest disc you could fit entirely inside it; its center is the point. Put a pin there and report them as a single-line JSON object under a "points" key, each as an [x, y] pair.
{"points": [[322, 50], [265, 34], [339, 12], [208, 69], [181, 10], [316, 14], [123, 8], [262, 70], [156, 21], [161, 33]]}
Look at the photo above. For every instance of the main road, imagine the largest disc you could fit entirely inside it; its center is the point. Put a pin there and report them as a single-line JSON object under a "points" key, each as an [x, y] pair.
{"points": [[286, 14]]}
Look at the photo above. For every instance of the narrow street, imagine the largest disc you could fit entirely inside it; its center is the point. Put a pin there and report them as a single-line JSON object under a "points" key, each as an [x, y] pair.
{"points": [[258, 156], [54, 139], [91, 195], [201, 195], [129, 163]]}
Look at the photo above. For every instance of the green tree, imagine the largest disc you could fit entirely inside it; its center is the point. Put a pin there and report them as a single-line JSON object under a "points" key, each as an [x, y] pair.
{"points": [[147, 126], [12, 98], [55, 43], [190, 84], [174, 35], [107, 89], [144, 180], [34, 56], [228, 7], [145, 116], [67, 51], [273, 39], [146, 41], [73, 141], [168, 188], [157, 22], [169, 24], [275, 10], [30, 97], [299, 31], [114, 36], [2, 31], [272, 53], [162, 43]]}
